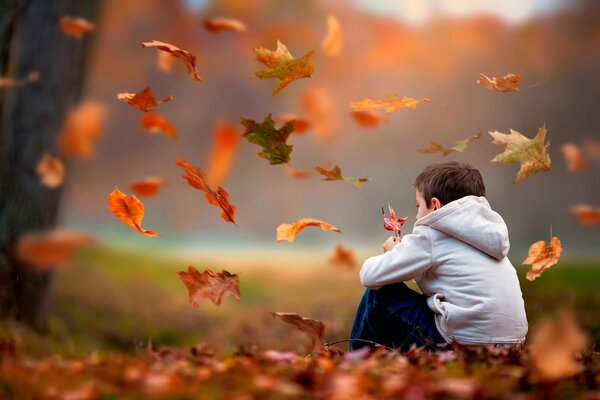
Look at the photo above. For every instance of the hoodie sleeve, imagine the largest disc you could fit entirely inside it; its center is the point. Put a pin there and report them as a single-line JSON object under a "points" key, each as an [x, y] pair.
{"points": [[407, 260]]}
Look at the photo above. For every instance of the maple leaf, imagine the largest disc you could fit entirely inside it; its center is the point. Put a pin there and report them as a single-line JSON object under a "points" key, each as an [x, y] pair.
{"points": [[50, 249], [459, 146], [389, 103], [219, 197], [147, 187], [507, 83], [542, 256], [188, 58], [51, 171], [271, 140], [6, 82], [210, 285], [217, 25], [368, 118], [586, 215], [156, 123], [531, 153], [129, 210], [332, 43], [75, 27], [335, 174], [82, 128], [225, 144], [144, 100], [280, 64], [301, 125], [391, 223], [343, 258], [311, 327], [289, 231], [573, 157]]}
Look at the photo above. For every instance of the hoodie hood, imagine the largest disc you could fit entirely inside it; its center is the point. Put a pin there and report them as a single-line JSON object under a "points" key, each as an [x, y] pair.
{"points": [[470, 219]]}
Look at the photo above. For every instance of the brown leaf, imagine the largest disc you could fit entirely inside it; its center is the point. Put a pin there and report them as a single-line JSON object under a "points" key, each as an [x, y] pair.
{"points": [[51, 171], [75, 27], [313, 328], [335, 174], [129, 210], [51, 249], [196, 179], [301, 125], [226, 140], [388, 103], [289, 231], [459, 146], [217, 25], [507, 83], [6, 82], [188, 59], [343, 258], [368, 119], [82, 128], [542, 256], [573, 157], [147, 187], [210, 285], [296, 173], [586, 215], [332, 43], [156, 123], [144, 100]]}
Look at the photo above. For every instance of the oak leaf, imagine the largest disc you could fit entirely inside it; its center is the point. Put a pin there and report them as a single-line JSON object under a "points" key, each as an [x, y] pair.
{"points": [[369, 118], [82, 128], [75, 27], [217, 25], [542, 256], [271, 140], [289, 231], [51, 171], [144, 100], [129, 210], [586, 215], [188, 58], [147, 187], [388, 103], [280, 64], [459, 146], [219, 197], [507, 83], [335, 174], [392, 223], [6, 82], [226, 140], [343, 258], [531, 153], [301, 125], [45, 250], [156, 123], [332, 43], [313, 328], [210, 285], [573, 157]]}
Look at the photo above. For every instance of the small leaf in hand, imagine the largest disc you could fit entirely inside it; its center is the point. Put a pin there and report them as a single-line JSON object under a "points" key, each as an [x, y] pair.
{"points": [[388, 103], [289, 231], [542, 256], [271, 140], [313, 328], [210, 285], [335, 174], [343, 258], [148, 187], [155, 123], [144, 100], [507, 83], [573, 157], [51, 171], [392, 223], [586, 215], [217, 25], [460, 146], [188, 58], [75, 27], [129, 210]]}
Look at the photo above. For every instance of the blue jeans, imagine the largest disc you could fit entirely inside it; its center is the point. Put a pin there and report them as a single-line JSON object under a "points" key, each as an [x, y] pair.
{"points": [[397, 317]]}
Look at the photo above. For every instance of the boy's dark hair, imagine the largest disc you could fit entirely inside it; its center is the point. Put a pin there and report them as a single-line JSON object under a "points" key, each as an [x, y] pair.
{"points": [[449, 181]]}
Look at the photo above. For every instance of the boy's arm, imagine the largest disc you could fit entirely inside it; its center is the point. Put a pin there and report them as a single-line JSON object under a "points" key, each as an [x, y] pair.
{"points": [[407, 260]]}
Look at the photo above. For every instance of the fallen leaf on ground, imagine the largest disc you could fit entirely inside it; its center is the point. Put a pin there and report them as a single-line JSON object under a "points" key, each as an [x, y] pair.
{"points": [[51, 249], [289, 231], [343, 258], [188, 58], [217, 25], [51, 171], [75, 27], [332, 43], [335, 174], [271, 140], [369, 118], [129, 210], [573, 157], [281, 65], [296, 173], [301, 125], [82, 128], [144, 100], [6, 82], [388, 103], [156, 123], [460, 146], [531, 153], [313, 328], [586, 215], [507, 83], [226, 140], [542, 256], [392, 223], [210, 285], [148, 187]]}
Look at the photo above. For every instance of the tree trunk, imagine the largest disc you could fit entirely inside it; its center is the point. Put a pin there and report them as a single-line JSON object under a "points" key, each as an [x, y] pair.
{"points": [[30, 118]]}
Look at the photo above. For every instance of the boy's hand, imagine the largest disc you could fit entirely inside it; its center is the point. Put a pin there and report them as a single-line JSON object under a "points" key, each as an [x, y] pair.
{"points": [[390, 243]]}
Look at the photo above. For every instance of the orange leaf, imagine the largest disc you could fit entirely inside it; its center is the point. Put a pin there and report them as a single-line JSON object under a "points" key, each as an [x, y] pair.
{"points": [[129, 210], [51, 170], [289, 231], [164, 61], [343, 258], [144, 100], [83, 126], [332, 43], [6, 82], [388, 103], [217, 25], [318, 105], [368, 119], [75, 27], [147, 187], [196, 179], [313, 328], [296, 173], [225, 144], [210, 285], [155, 123], [507, 83], [188, 59], [300, 125], [51, 249], [542, 256], [586, 215], [573, 157]]}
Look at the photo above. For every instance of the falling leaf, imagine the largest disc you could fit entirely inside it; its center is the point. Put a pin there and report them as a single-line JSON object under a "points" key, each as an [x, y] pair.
{"points": [[280, 64], [531, 153], [573, 157], [368, 119], [332, 43], [313, 328], [75, 27], [271, 140], [156, 123], [388, 103], [542, 256], [188, 59], [148, 187], [592, 148], [217, 25], [318, 104], [343, 258], [51, 249], [210, 285], [301, 125], [289, 231], [296, 173], [391, 223], [225, 144], [220, 198], [335, 174], [82, 128], [507, 83], [144, 100], [586, 215], [51, 171], [459, 146], [129, 210], [164, 61], [6, 82]]}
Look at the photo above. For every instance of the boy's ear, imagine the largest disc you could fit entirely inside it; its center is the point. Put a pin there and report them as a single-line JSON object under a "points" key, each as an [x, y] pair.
{"points": [[436, 203]]}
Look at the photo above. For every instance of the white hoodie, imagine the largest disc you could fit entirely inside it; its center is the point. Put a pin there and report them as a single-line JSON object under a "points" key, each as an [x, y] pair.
{"points": [[457, 256]]}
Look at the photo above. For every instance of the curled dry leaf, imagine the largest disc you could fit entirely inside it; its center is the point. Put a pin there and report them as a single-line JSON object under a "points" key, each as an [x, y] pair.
{"points": [[155, 123], [210, 285], [392, 223], [188, 58], [296, 173], [219, 197], [301, 125], [459, 146], [289, 231], [217, 25], [6, 82], [586, 215], [271, 140], [343, 258], [531, 153], [388, 103], [148, 187], [129, 210], [82, 128], [311, 327], [332, 43], [318, 104], [75, 27], [45, 250], [335, 174], [507, 83], [281, 65], [369, 118], [226, 140], [573, 157], [144, 100], [51, 171], [542, 256]]}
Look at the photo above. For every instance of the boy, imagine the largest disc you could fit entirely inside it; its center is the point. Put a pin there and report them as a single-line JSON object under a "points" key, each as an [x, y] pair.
{"points": [[457, 256]]}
